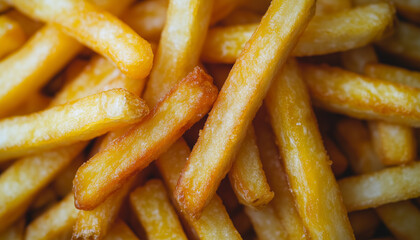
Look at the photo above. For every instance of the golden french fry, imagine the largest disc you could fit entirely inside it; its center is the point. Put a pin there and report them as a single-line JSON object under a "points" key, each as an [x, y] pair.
{"points": [[247, 175], [97, 29], [362, 97], [265, 223], [333, 33], [102, 112], [378, 188], [186, 27], [238, 101], [28, 25], [35, 103], [357, 59], [15, 232], [393, 74], [339, 161], [55, 222], [364, 223], [179, 110], [120, 231], [12, 35], [63, 184], [332, 6], [214, 222], [304, 157], [154, 210], [241, 16]]}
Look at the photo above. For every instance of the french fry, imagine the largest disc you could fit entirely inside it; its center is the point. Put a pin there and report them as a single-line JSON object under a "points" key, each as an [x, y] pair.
{"points": [[15, 232], [28, 25], [378, 188], [409, 9], [35, 103], [304, 157], [97, 29], [331, 31], [28, 176], [186, 27], [238, 101], [119, 231], [42, 201], [178, 111], [361, 97], [339, 161], [154, 210], [12, 35], [357, 59], [332, 6], [214, 222], [393, 74], [55, 222], [63, 184], [102, 112], [247, 175], [265, 223], [222, 8], [364, 223]]}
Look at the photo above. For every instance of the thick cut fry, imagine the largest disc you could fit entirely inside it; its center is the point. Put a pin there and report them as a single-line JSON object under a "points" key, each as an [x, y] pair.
{"points": [[381, 187], [55, 222], [102, 112], [247, 175], [186, 27], [120, 231], [15, 232], [332, 6], [110, 168], [11, 35], [364, 223], [304, 157], [333, 33], [97, 29], [339, 161], [214, 222], [357, 59], [265, 223], [362, 97], [238, 101], [155, 212]]}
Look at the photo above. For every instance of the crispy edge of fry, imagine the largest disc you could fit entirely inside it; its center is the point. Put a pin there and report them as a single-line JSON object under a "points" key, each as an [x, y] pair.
{"points": [[364, 223], [12, 35], [238, 101], [304, 157], [119, 231], [187, 102], [154, 210]]}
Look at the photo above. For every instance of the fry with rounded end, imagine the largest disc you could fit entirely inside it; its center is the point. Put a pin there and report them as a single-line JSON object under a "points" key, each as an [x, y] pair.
{"points": [[119, 231], [304, 157], [102, 112], [155, 212], [187, 102], [11, 35], [97, 29], [238, 101], [265, 223], [378, 188]]}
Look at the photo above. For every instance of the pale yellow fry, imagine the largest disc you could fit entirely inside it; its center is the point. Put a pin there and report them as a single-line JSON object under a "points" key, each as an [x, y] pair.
{"points": [[378, 188], [21, 182], [332, 6], [29, 26], [333, 33], [120, 231], [364, 223], [304, 157], [214, 222], [186, 28], [265, 223], [12, 35], [247, 175], [15, 232], [357, 59], [155, 212], [64, 124], [97, 29], [239, 100], [402, 219], [55, 222]]}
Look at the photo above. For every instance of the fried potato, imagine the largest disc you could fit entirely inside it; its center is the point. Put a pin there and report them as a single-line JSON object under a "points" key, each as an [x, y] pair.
{"points": [[97, 29], [63, 184], [178, 111], [155, 212], [333, 33], [214, 222], [393, 74], [332, 6], [120, 231], [364, 223], [238, 101], [222, 8], [339, 161], [378, 188], [357, 59], [304, 157], [409, 9], [28, 25], [265, 223], [102, 112], [35, 103], [12, 35], [16, 231]]}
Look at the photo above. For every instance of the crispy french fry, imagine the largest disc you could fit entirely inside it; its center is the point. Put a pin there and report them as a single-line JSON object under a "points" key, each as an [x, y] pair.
{"points": [[55, 222], [362, 97], [339, 161], [97, 29], [12, 35], [120, 231], [16, 231], [331, 31], [378, 188], [238, 101], [304, 157], [332, 6], [364, 223], [178, 111], [393, 74], [186, 27], [154, 210], [356, 59], [241, 16], [63, 184], [28, 176], [214, 222], [265, 223], [102, 112], [283, 201], [28, 25]]}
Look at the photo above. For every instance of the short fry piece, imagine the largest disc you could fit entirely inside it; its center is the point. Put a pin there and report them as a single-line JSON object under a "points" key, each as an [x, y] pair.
{"points": [[11, 35], [102, 112], [120, 231], [238, 101], [188, 101], [154, 210], [265, 223], [304, 157]]}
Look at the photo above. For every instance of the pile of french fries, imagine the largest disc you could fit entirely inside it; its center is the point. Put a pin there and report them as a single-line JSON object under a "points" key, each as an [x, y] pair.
{"points": [[209, 119]]}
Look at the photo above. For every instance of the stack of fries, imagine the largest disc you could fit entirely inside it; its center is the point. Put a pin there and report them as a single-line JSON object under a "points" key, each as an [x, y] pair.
{"points": [[209, 119]]}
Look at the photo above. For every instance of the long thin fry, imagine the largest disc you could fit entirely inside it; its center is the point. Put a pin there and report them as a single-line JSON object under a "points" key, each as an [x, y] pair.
{"points": [[11, 36]]}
